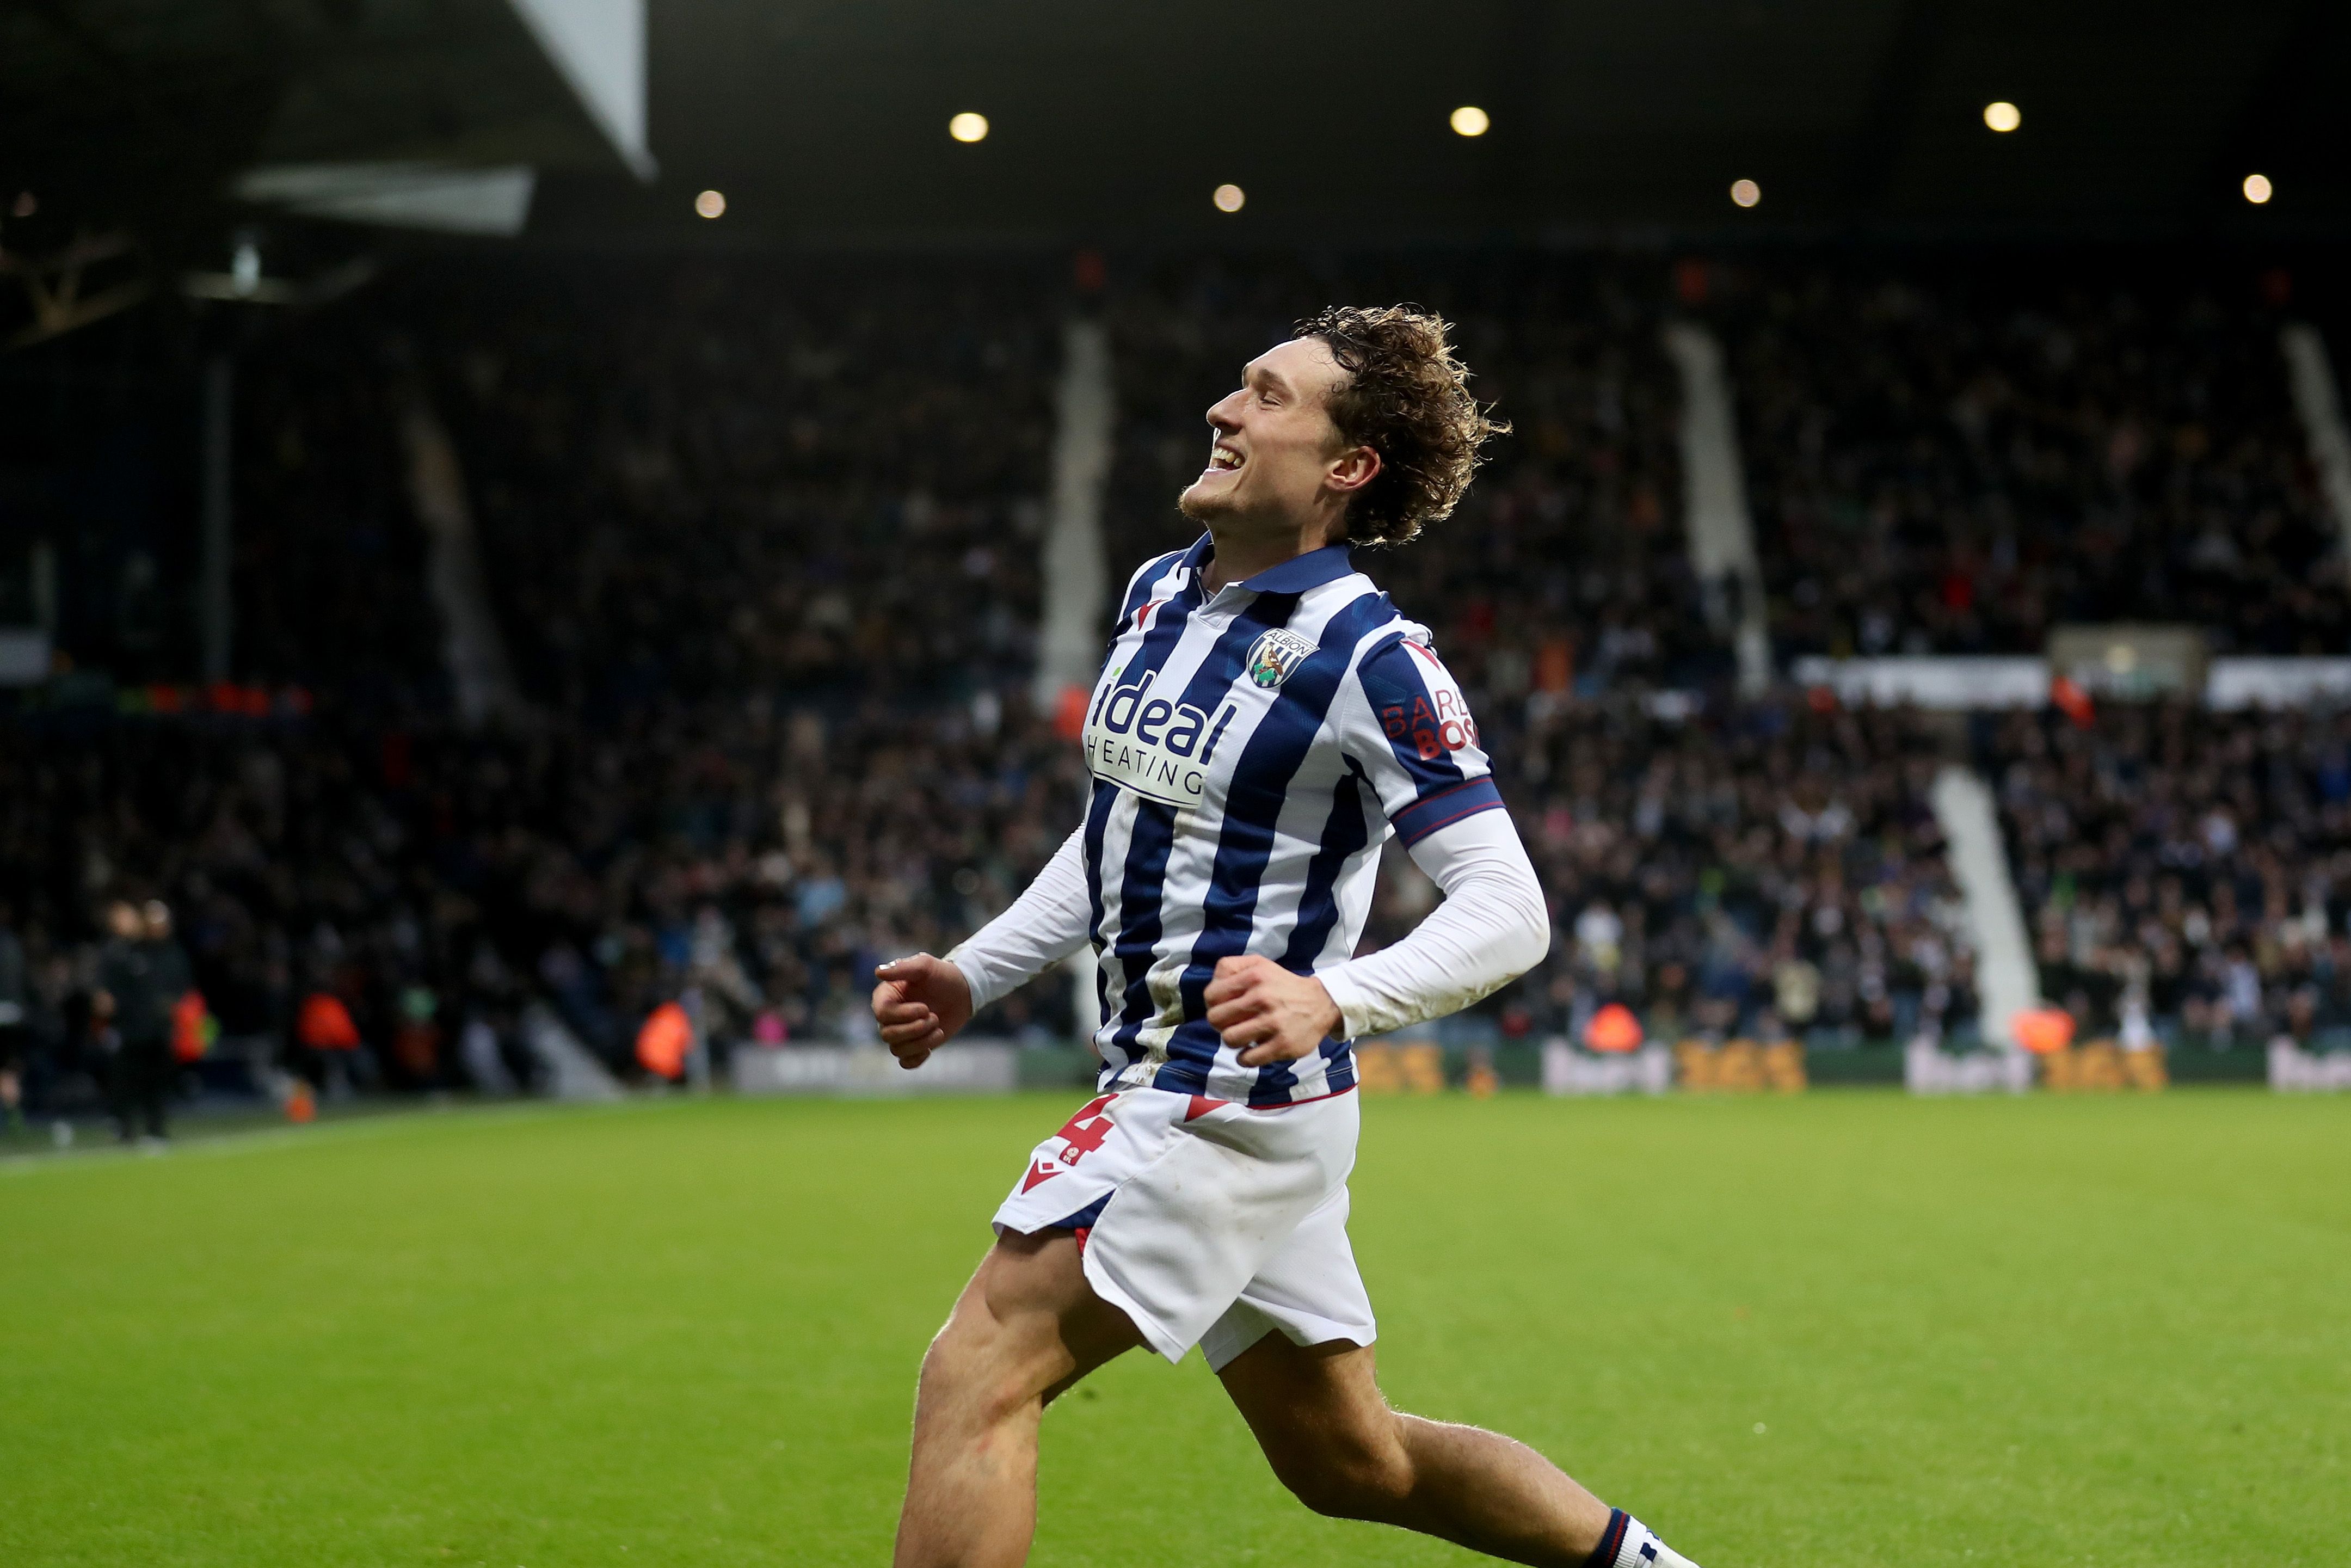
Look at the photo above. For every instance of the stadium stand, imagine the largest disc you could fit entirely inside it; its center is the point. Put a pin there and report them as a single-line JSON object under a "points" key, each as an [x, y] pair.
{"points": [[1774, 868], [2185, 872], [1956, 458], [824, 477], [762, 541], [663, 818], [797, 578]]}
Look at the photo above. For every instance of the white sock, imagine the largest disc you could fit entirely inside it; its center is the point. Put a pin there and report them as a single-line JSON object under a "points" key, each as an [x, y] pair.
{"points": [[1637, 1546]]}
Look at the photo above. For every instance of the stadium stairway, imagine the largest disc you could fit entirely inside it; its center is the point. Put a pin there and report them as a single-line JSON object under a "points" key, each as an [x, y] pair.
{"points": [[1722, 532], [2006, 981], [1076, 580], [2318, 404], [570, 1072], [480, 674]]}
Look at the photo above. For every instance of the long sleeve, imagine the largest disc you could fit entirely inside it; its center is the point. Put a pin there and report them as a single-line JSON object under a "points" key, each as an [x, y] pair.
{"points": [[1043, 925], [1493, 926]]}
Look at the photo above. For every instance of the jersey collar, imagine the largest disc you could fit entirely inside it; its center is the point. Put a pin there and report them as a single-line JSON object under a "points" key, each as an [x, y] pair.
{"points": [[1296, 575]]}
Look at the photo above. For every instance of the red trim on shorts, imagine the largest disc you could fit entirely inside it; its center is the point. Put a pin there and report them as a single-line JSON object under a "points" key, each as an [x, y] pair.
{"points": [[1309, 1099], [1201, 1105]]}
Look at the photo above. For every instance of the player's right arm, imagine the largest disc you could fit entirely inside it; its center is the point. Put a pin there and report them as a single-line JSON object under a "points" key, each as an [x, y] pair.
{"points": [[921, 1002]]}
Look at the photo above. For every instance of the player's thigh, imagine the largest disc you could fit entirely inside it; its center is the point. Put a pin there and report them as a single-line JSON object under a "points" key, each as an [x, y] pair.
{"points": [[1027, 1324], [1318, 1413]]}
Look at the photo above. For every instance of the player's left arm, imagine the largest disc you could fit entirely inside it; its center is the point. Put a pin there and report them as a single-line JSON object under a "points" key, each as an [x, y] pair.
{"points": [[1493, 926], [1403, 722]]}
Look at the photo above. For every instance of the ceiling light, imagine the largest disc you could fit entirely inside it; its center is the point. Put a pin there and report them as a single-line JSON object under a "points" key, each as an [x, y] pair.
{"points": [[2258, 189], [1228, 198], [710, 204], [2002, 116], [1746, 192], [968, 127], [1470, 120]]}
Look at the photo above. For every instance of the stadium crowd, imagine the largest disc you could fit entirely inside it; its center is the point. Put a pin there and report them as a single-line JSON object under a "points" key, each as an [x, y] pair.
{"points": [[2187, 873], [695, 481], [769, 590], [431, 881], [761, 540], [1956, 463], [1774, 869]]}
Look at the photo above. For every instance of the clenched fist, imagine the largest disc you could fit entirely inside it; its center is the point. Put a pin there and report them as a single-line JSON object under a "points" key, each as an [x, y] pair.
{"points": [[920, 1003], [1270, 1013]]}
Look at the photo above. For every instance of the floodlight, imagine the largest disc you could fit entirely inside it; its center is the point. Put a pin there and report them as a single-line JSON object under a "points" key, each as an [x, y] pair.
{"points": [[710, 204], [1746, 192], [2003, 116], [1228, 198], [968, 127], [1470, 120], [2258, 189]]}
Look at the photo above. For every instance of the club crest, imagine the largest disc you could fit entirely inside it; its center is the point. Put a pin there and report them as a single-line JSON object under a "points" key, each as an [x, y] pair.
{"points": [[1274, 656]]}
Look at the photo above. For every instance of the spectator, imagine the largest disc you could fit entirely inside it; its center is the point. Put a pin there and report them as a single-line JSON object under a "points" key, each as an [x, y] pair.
{"points": [[141, 972], [16, 1022]]}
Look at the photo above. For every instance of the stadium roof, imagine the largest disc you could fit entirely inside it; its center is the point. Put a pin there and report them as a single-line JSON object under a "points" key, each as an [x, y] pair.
{"points": [[1120, 120], [825, 121], [147, 111]]}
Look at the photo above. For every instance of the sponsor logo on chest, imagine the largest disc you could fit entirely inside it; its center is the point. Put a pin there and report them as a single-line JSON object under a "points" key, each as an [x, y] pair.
{"points": [[1156, 747]]}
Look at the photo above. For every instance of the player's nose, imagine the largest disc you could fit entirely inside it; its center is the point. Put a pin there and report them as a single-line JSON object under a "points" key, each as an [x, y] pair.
{"points": [[1224, 414]]}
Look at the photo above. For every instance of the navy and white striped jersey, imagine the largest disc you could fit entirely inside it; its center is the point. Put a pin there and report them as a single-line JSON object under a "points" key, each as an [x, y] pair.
{"points": [[1252, 749]]}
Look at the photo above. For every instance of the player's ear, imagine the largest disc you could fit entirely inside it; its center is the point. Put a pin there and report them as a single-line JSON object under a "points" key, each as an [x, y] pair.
{"points": [[1352, 469]]}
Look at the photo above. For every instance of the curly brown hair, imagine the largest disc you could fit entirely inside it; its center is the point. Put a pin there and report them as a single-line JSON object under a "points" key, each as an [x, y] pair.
{"points": [[1407, 399]]}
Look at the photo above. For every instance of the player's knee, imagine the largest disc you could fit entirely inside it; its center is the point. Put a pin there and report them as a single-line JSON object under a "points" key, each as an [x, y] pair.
{"points": [[977, 1375], [965, 1392]]}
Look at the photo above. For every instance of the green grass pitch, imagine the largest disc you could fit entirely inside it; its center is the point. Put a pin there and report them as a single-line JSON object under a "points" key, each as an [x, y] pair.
{"points": [[1844, 1329]]}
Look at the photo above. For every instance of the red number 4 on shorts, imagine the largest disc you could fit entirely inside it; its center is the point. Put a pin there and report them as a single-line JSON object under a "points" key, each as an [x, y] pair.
{"points": [[1083, 1133]]}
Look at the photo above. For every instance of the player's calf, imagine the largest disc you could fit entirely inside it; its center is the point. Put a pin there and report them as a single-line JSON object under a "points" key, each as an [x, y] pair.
{"points": [[1342, 1450]]}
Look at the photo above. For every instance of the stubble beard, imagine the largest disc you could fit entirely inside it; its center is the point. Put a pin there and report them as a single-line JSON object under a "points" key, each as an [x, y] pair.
{"points": [[1205, 506]]}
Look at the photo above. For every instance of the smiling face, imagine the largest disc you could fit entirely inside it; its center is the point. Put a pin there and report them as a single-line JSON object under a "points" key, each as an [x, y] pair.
{"points": [[1275, 454]]}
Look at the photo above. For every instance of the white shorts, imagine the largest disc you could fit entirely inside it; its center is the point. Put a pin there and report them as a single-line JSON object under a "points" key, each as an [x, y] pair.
{"points": [[1206, 1222]]}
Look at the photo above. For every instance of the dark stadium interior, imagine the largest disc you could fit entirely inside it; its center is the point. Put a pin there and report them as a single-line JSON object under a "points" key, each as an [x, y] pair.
{"points": [[821, 120], [758, 501]]}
